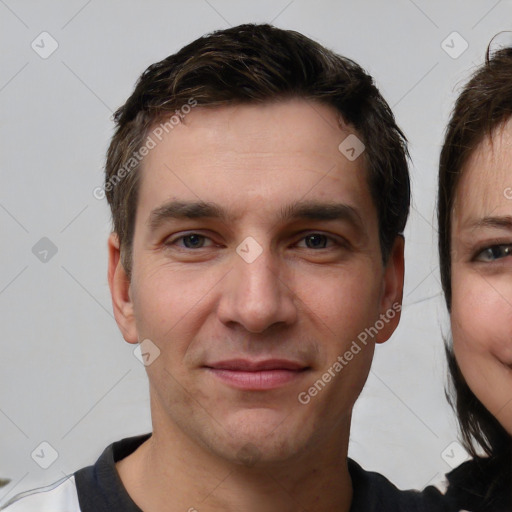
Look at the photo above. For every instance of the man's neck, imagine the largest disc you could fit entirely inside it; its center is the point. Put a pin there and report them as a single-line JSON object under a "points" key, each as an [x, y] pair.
{"points": [[166, 475]]}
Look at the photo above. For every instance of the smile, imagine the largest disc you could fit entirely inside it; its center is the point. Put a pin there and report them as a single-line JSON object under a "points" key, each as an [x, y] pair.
{"points": [[257, 376]]}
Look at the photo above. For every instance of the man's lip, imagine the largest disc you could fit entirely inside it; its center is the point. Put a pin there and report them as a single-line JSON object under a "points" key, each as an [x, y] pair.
{"points": [[264, 375], [246, 365]]}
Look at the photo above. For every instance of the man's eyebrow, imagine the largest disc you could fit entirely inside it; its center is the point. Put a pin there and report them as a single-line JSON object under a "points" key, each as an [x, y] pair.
{"points": [[310, 210], [184, 210], [314, 210]]}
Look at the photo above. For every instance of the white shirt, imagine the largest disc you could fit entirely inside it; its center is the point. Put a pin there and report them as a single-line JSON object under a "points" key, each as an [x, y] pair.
{"points": [[61, 496]]}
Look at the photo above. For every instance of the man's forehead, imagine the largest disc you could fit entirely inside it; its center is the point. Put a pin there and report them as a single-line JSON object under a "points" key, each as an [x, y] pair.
{"points": [[251, 137], [260, 127], [196, 161]]}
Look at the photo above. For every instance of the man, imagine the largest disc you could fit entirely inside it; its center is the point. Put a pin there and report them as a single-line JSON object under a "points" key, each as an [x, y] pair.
{"points": [[259, 188]]}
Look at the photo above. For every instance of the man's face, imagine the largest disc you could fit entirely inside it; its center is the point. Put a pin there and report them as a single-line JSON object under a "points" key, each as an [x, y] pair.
{"points": [[256, 264]]}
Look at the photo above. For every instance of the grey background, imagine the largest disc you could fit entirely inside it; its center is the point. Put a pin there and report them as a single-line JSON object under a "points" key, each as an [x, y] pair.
{"points": [[67, 376]]}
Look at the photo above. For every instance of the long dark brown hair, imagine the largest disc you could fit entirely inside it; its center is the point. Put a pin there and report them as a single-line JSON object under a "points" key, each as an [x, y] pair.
{"points": [[484, 104]]}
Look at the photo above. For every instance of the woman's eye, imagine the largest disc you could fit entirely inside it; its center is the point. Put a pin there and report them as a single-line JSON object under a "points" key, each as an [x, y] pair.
{"points": [[494, 253]]}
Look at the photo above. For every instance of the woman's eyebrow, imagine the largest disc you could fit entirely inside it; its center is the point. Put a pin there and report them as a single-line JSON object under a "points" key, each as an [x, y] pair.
{"points": [[501, 222]]}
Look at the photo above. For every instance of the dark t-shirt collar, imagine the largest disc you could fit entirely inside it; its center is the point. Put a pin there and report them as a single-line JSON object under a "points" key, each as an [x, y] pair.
{"points": [[100, 488]]}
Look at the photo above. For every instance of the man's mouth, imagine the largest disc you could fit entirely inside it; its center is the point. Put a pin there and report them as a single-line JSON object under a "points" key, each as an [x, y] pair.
{"points": [[257, 375]]}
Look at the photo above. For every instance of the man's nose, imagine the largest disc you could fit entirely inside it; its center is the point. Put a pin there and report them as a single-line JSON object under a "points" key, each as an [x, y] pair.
{"points": [[258, 293]]}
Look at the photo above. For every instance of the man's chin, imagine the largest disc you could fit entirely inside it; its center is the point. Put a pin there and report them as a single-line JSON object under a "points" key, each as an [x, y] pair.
{"points": [[258, 440]]}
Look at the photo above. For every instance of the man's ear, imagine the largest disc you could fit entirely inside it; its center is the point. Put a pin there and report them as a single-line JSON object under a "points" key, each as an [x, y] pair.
{"points": [[392, 292], [120, 291]]}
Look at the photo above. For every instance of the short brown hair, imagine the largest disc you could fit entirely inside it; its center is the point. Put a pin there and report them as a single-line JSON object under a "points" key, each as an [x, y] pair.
{"points": [[259, 63]]}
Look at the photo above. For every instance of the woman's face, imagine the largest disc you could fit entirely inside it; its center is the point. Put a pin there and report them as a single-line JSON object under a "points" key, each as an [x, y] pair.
{"points": [[481, 238]]}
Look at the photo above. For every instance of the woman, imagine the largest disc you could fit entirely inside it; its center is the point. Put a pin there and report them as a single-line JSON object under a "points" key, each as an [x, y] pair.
{"points": [[475, 248]]}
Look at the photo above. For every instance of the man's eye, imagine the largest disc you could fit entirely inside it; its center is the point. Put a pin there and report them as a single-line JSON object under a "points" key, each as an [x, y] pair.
{"points": [[197, 241], [494, 253], [191, 241], [317, 241]]}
